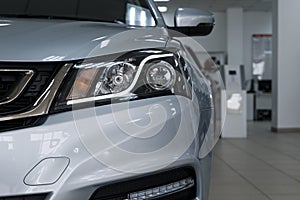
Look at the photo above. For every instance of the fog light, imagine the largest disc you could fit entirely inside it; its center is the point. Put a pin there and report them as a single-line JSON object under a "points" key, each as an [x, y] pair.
{"points": [[161, 76], [162, 190]]}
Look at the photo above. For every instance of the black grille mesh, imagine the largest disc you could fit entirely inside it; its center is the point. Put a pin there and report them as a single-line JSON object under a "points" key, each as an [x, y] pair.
{"points": [[28, 197], [40, 81], [8, 81], [21, 123], [43, 75]]}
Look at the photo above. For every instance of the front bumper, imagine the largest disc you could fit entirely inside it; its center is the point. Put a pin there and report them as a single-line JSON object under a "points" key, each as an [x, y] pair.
{"points": [[77, 165]]}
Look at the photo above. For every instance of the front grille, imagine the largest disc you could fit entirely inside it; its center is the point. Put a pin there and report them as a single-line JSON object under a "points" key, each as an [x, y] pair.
{"points": [[135, 189], [43, 73], [27, 197], [11, 78]]}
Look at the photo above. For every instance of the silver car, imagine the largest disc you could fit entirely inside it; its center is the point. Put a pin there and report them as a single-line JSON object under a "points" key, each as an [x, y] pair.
{"points": [[99, 101]]}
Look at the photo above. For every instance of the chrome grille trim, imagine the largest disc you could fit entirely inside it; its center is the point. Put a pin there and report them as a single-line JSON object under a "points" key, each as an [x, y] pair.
{"points": [[43, 103], [28, 74]]}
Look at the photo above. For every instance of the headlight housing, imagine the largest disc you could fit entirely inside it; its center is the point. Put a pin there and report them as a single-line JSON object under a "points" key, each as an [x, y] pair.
{"points": [[134, 75]]}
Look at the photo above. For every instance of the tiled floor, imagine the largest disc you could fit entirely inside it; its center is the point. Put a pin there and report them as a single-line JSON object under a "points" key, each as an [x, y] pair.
{"points": [[266, 166]]}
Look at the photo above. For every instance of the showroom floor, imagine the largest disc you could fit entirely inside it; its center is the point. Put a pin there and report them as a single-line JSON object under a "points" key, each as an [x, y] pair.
{"points": [[266, 166]]}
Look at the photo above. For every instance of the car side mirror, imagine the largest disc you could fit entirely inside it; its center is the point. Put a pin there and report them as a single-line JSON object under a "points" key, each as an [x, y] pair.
{"points": [[193, 22]]}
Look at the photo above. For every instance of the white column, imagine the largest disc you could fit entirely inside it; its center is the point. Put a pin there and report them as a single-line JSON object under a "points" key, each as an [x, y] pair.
{"points": [[235, 125], [286, 62], [235, 34]]}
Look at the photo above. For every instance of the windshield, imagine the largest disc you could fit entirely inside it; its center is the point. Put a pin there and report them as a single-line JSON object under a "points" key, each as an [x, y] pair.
{"points": [[130, 12]]}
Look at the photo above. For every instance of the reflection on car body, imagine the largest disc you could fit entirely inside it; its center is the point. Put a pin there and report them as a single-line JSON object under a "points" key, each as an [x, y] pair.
{"points": [[99, 101]]}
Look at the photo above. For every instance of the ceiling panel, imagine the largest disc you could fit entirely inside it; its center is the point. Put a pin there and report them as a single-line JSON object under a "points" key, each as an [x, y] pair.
{"points": [[221, 5]]}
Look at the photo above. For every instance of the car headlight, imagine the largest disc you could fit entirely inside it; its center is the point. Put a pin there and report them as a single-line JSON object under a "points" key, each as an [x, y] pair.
{"points": [[134, 75]]}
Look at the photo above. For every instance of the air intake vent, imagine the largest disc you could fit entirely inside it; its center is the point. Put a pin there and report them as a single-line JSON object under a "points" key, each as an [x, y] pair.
{"points": [[163, 190], [27, 197], [21, 123], [178, 184]]}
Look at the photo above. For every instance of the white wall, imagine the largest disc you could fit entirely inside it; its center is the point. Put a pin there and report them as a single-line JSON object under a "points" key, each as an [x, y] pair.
{"points": [[169, 18], [286, 63], [254, 23], [235, 36]]}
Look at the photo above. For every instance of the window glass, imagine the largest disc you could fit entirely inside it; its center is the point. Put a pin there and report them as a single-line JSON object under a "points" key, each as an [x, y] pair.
{"points": [[130, 12], [138, 16]]}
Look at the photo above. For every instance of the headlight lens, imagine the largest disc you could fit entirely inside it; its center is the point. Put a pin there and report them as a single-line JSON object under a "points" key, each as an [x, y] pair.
{"points": [[139, 74], [115, 79], [161, 76], [96, 79]]}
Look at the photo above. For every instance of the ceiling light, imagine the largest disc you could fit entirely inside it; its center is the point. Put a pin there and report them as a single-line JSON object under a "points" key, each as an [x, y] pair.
{"points": [[2, 25], [163, 9]]}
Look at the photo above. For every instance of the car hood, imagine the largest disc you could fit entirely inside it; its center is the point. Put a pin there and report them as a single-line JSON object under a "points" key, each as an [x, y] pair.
{"points": [[36, 40]]}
